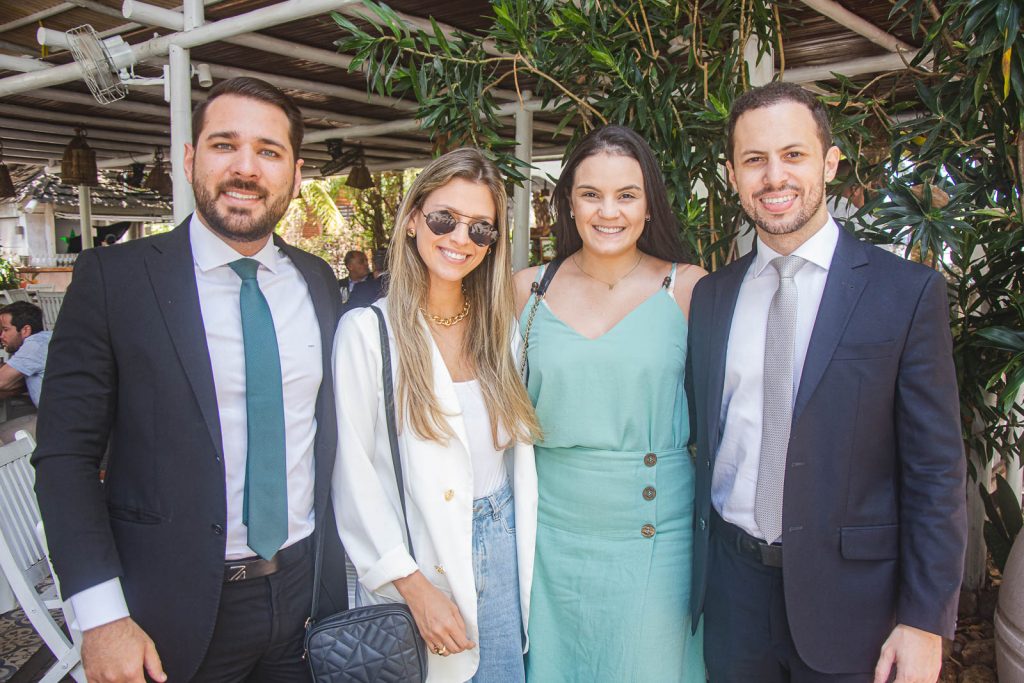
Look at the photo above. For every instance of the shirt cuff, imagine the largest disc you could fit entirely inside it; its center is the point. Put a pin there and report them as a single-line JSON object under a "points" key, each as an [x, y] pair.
{"points": [[99, 605]]}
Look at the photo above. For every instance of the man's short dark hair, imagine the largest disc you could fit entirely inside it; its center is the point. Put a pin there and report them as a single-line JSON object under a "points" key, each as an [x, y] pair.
{"points": [[776, 93], [254, 89], [23, 313], [351, 254]]}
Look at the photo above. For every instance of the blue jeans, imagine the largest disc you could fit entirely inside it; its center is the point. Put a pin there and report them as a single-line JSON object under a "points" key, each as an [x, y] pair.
{"points": [[496, 572]]}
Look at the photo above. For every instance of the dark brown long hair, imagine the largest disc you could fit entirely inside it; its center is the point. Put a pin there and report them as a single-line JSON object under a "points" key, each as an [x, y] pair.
{"points": [[660, 237]]}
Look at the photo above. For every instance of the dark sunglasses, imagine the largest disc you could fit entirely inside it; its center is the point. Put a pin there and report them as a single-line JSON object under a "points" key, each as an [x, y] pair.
{"points": [[442, 222]]}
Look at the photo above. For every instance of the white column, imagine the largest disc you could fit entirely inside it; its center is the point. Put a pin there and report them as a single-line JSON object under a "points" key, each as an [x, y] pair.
{"points": [[521, 195], [85, 216], [179, 75]]}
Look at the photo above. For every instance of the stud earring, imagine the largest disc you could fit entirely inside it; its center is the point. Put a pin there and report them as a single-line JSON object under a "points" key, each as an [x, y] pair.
{"points": [[411, 232], [572, 214], [488, 250], [648, 219]]}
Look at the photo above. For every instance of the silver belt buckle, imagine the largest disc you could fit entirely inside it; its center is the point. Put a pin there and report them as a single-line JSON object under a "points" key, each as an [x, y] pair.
{"points": [[238, 572]]}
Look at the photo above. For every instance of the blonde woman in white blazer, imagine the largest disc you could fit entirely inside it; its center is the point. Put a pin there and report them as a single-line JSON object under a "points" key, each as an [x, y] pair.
{"points": [[465, 428]]}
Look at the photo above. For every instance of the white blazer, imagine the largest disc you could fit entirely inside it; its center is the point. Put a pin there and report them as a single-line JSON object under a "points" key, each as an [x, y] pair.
{"points": [[438, 490]]}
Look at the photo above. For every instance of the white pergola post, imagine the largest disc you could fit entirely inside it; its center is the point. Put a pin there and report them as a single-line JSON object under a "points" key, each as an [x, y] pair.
{"points": [[521, 194], [179, 77], [85, 216]]}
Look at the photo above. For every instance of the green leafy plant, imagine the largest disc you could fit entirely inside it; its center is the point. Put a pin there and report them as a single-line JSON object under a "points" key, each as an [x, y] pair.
{"points": [[668, 68], [1005, 520], [9, 275]]}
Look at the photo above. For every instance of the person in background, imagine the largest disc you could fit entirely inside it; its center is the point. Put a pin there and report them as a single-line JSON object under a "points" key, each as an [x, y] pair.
{"points": [[202, 356], [606, 352], [465, 425], [830, 512], [371, 288], [23, 337], [358, 271]]}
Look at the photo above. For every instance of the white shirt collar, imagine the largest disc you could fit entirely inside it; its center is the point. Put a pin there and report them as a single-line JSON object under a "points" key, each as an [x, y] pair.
{"points": [[818, 249], [210, 251]]}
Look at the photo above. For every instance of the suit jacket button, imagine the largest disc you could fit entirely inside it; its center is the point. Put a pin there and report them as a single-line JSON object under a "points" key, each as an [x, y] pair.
{"points": [[650, 459], [702, 524], [439, 569], [647, 531], [448, 495], [217, 529], [649, 493]]}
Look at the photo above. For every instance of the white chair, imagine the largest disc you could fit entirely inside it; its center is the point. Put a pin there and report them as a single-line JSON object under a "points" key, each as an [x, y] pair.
{"points": [[12, 295], [50, 302], [23, 558]]}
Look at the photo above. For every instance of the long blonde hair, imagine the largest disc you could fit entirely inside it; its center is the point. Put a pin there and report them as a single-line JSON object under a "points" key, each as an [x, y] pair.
{"points": [[488, 288]]}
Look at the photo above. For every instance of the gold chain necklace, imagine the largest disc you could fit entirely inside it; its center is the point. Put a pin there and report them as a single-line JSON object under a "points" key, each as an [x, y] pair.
{"points": [[611, 285], [453, 320]]}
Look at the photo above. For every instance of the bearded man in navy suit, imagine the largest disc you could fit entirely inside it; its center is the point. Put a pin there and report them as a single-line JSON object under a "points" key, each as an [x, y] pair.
{"points": [[830, 509], [178, 565]]}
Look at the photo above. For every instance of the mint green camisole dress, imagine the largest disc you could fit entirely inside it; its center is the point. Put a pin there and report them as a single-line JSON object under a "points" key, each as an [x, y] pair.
{"points": [[611, 583]]}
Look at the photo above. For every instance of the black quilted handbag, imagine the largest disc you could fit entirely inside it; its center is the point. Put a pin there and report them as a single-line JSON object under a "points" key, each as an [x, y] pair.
{"points": [[375, 643]]}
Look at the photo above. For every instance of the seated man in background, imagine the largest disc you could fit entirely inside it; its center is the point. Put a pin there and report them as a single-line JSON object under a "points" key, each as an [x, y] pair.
{"points": [[358, 271], [23, 336]]}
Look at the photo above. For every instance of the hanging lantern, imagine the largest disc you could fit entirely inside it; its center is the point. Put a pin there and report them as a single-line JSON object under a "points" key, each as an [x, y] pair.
{"points": [[158, 180], [78, 167], [6, 184], [359, 177]]}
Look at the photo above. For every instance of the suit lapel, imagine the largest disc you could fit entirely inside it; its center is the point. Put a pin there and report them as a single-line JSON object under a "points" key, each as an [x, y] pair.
{"points": [[847, 277], [446, 396], [726, 293], [172, 276]]}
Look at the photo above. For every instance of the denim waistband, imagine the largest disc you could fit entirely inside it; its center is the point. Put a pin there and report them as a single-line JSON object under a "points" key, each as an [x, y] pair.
{"points": [[493, 503]]}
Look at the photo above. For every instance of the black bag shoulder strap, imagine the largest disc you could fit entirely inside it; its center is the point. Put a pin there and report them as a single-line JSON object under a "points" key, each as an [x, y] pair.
{"points": [[538, 289], [389, 409]]}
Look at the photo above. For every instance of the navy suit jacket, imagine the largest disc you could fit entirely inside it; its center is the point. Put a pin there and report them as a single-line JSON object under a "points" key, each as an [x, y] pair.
{"points": [[128, 363], [874, 520]]}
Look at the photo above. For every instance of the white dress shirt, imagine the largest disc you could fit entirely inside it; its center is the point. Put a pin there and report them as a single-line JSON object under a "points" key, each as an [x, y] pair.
{"points": [[298, 340], [734, 481]]}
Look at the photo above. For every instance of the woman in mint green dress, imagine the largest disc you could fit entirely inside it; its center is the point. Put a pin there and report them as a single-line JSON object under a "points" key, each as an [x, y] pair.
{"points": [[606, 351]]}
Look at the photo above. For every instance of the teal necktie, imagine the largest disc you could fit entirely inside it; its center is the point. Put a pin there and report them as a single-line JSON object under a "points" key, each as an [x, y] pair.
{"points": [[265, 502]]}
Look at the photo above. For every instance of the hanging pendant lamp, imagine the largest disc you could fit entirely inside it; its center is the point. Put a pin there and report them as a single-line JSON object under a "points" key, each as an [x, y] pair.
{"points": [[6, 184], [158, 180], [78, 166], [359, 177]]}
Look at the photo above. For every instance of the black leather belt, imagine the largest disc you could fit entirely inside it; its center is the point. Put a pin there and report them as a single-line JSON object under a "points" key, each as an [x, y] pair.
{"points": [[746, 545], [257, 567]]}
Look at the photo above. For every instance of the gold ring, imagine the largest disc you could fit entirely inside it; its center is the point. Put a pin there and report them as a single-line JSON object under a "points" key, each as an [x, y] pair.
{"points": [[440, 650]]}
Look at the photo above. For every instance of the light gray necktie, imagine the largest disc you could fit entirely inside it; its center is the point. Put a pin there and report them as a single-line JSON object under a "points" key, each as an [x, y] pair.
{"points": [[777, 413]]}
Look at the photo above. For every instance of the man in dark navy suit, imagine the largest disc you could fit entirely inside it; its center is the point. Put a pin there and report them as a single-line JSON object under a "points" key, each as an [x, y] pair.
{"points": [[203, 357], [830, 514]]}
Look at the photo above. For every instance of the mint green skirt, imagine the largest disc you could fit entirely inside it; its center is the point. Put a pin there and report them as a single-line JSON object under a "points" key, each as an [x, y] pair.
{"points": [[610, 599]]}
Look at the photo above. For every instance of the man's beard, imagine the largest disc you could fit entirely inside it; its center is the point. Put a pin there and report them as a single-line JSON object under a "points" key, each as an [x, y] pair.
{"points": [[240, 225], [809, 207]]}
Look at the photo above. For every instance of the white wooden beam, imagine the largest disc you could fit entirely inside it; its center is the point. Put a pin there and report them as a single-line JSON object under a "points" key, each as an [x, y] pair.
{"points": [[850, 68], [844, 17], [273, 15]]}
